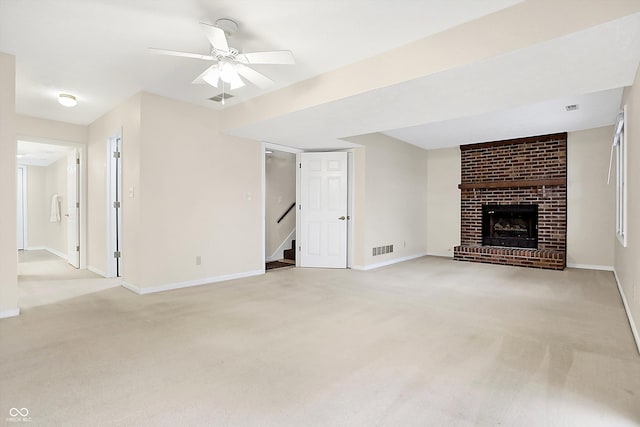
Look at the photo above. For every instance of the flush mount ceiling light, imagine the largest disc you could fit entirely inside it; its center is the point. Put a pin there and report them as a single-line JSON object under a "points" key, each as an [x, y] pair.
{"points": [[67, 100]]}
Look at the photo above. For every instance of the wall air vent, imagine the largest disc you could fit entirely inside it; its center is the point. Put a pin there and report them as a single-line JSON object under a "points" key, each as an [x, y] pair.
{"points": [[381, 250], [572, 107], [219, 97]]}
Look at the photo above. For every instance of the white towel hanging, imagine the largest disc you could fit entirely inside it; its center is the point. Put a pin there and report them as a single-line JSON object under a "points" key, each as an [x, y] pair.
{"points": [[54, 216]]}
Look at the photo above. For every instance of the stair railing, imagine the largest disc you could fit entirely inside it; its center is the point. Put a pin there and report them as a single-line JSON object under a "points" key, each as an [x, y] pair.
{"points": [[287, 211]]}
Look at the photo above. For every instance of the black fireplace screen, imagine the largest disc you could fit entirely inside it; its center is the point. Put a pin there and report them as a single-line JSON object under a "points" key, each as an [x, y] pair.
{"points": [[510, 225]]}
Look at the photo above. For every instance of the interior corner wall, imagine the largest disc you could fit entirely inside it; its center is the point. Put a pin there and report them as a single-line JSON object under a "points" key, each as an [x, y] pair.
{"points": [[8, 186], [590, 200], [201, 196], [626, 262], [359, 208], [123, 119], [280, 194], [395, 200], [443, 201]]}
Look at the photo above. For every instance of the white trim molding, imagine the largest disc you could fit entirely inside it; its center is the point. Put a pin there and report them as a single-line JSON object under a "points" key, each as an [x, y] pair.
{"points": [[634, 331], [278, 147], [97, 271], [590, 267], [9, 313], [189, 283], [388, 262]]}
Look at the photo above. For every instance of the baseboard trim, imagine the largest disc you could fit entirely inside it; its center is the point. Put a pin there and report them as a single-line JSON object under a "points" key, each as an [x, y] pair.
{"points": [[388, 262], [634, 331], [448, 256], [590, 267], [97, 271], [9, 313], [279, 253], [197, 282]]}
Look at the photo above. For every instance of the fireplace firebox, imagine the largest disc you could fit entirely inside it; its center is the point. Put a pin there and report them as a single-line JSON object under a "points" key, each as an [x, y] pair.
{"points": [[510, 225]]}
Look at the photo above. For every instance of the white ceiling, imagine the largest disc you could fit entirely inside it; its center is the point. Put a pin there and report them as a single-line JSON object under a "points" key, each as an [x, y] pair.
{"points": [[512, 88], [40, 154], [97, 50]]}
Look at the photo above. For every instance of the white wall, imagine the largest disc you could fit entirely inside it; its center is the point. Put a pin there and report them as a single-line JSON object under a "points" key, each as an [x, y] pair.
{"points": [[200, 194], [42, 183], [393, 209], [443, 201], [8, 186], [627, 259], [590, 201], [56, 183], [38, 207], [280, 186], [42, 130]]}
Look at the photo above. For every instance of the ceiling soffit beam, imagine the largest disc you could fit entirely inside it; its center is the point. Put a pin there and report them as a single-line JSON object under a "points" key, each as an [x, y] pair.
{"points": [[510, 29]]}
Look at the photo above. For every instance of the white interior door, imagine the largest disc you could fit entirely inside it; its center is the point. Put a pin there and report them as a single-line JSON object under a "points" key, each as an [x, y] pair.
{"points": [[73, 209], [20, 202], [323, 210]]}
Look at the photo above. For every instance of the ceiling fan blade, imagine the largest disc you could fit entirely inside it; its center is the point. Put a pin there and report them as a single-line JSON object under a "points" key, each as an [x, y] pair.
{"points": [[273, 57], [183, 54], [236, 82], [209, 76], [253, 76], [216, 36]]}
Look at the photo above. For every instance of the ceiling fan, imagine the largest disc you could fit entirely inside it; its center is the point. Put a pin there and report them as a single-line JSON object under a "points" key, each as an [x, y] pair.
{"points": [[231, 66]]}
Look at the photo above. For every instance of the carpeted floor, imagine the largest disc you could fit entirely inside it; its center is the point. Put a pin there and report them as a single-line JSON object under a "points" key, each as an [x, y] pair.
{"points": [[44, 278], [429, 342]]}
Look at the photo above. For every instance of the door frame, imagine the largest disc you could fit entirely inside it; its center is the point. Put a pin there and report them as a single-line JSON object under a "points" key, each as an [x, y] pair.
{"points": [[24, 219], [276, 147], [74, 159], [114, 222], [82, 153], [350, 196]]}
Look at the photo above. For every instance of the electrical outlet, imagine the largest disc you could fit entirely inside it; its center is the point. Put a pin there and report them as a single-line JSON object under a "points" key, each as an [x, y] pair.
{"points": [[198, 260]]}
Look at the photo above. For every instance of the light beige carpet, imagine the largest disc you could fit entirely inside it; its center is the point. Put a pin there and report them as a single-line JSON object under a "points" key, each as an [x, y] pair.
{"points": [[44, 278], [430, 342]]}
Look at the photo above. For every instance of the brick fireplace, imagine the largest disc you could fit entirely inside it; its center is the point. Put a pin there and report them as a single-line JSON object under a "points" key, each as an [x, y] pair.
{"points": [[514, 202]]}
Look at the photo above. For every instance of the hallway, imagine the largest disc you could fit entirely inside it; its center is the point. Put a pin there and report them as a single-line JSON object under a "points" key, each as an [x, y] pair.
{"points": [[44, 278]]}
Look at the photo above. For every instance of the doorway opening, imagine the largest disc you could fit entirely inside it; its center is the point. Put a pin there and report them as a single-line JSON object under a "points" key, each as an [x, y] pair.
{"points": [[52, 223], [280, 208], [50, 202]]}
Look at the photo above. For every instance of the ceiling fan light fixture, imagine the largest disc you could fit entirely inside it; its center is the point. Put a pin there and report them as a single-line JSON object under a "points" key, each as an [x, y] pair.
{"points": [[67, 100], [212, 76], [227, 72]]}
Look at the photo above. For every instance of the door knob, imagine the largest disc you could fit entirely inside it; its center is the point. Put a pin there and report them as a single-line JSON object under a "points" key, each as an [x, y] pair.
{"points": [[342, 218]]}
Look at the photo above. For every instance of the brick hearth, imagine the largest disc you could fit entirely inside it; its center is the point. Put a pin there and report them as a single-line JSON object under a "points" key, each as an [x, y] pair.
{"points": [[519, 171]]}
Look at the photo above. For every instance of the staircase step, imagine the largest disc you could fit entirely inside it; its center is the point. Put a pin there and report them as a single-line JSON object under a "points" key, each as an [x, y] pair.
{"points": [[290, 254]]}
